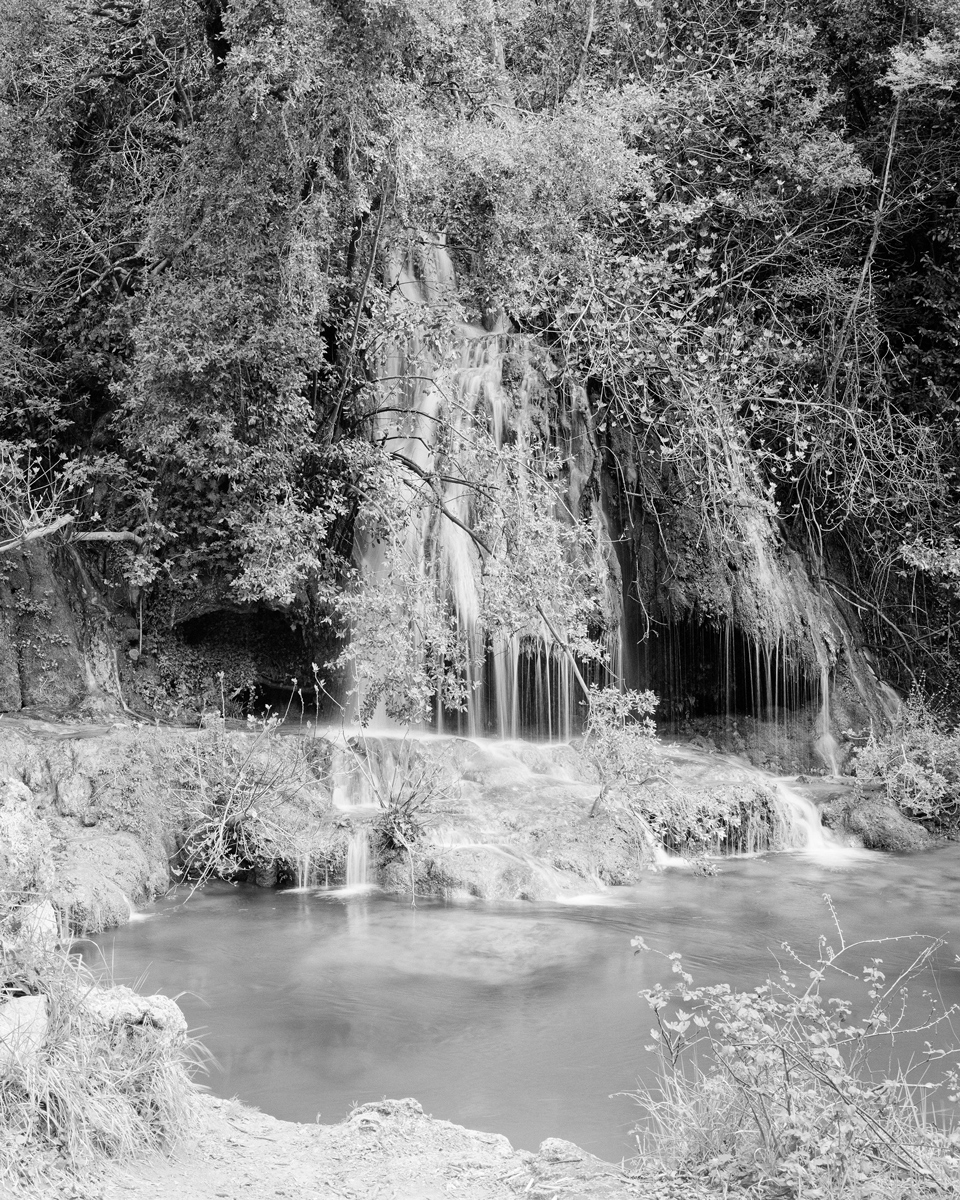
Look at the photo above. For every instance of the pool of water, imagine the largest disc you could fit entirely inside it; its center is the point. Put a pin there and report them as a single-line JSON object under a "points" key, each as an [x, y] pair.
{"points": [[520, 1018]]}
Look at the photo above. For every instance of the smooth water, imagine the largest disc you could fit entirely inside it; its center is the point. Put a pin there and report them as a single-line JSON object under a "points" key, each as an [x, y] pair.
{"points": [[516, 1018]]}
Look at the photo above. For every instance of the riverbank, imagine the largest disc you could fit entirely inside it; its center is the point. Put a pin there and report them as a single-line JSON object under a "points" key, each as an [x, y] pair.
{"points": [[93, 816], [390, 1150]]}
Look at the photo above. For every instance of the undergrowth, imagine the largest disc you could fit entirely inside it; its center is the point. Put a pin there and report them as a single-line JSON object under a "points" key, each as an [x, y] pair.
{"points": [[917, 764], [93, 1089], [782, 1089], [620, 740], [244, 804]]}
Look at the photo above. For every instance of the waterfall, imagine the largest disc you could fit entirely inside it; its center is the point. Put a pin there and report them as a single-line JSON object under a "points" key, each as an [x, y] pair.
{"points": [[826, 744], [449, 401], [358, 860], [804, 829], [445, 417], [305, 870]]}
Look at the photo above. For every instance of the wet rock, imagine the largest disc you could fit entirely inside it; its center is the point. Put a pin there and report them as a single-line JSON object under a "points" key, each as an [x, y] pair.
{"points": [[875, 820], [98, 878], [23, 1027], [881, 826]]}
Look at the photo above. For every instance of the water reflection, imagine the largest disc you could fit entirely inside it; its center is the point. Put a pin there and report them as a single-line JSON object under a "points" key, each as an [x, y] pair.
{"points": [[520, 1019]]}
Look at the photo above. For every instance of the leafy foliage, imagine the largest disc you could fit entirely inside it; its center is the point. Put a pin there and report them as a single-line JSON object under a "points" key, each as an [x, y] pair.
{"points": [[917, 764], [234, 237], [782, 1088]]}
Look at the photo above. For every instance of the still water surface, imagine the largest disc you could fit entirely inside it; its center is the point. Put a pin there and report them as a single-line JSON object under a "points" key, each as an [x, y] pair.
{"points": [[520, 1018]]}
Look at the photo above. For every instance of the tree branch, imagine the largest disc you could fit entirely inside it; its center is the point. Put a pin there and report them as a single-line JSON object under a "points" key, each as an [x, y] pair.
{"points": [[33, 535]]}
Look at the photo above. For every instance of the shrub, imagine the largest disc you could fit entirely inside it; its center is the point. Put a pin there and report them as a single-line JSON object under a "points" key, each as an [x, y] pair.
{"points": [[917, 763], [620, 740], [620, 737], [778, 1088], [243, 805]]}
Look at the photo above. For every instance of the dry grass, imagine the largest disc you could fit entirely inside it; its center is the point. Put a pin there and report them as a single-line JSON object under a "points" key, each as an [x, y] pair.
{"points": [[95, 1090]]}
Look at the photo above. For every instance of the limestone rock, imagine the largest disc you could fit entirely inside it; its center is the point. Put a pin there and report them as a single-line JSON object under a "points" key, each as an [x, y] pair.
{"points": [[31, 924], [73, 795], [25, 846], [123, 1006], [23, 1027], [559, 1150], [100, 876]]}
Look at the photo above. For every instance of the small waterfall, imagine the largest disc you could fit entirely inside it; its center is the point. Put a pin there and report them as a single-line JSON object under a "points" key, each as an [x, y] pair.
{"points": [[305, 870], [803, 828], [358, 860], [826, 744]]}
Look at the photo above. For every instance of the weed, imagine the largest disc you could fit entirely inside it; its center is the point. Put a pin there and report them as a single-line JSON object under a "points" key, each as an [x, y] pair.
{"points": [[918, 764], [407, 787], [778, 1087]]}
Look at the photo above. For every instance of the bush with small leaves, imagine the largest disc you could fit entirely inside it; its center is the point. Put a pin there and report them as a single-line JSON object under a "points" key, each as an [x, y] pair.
{"points": [[779, 1087]]}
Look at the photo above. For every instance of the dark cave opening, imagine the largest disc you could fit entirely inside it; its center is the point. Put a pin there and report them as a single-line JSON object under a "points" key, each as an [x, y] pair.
{"points": [[698, 669], [265, 657]]}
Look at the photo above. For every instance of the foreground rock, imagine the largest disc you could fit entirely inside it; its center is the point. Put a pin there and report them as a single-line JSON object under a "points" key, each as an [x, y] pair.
{"points": [[389, 1150]]}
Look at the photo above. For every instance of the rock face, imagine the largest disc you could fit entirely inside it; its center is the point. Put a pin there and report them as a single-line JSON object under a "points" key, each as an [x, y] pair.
{"points": [[25, 843], [56, 653], [26, 871], [65, 855], [100, 877]]}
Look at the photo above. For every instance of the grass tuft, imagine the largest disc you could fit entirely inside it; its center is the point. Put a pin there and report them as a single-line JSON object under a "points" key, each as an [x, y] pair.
{"points": [[96, 1088]]}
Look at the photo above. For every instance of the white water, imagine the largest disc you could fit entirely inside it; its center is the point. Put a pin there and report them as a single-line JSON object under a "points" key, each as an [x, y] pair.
{"points": [[358, 860], [474, 778]]}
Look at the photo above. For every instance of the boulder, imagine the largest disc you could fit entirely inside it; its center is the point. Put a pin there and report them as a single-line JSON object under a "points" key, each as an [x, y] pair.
{"points": [[874, 819], [23, 1027], [100, 876], [123, 1006], [33, 924]]}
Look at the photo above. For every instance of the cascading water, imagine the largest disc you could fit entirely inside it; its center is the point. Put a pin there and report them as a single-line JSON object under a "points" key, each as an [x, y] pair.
{"points": [[358, 859], [517, 820], [445, 412], [451, 428]]}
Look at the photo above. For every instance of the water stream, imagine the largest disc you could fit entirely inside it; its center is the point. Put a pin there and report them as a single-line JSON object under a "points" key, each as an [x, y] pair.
{"points": [[517, 1018]]}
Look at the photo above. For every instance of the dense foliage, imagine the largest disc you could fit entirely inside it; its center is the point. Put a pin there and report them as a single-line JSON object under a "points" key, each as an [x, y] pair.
{"points": [[725, 235]]}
